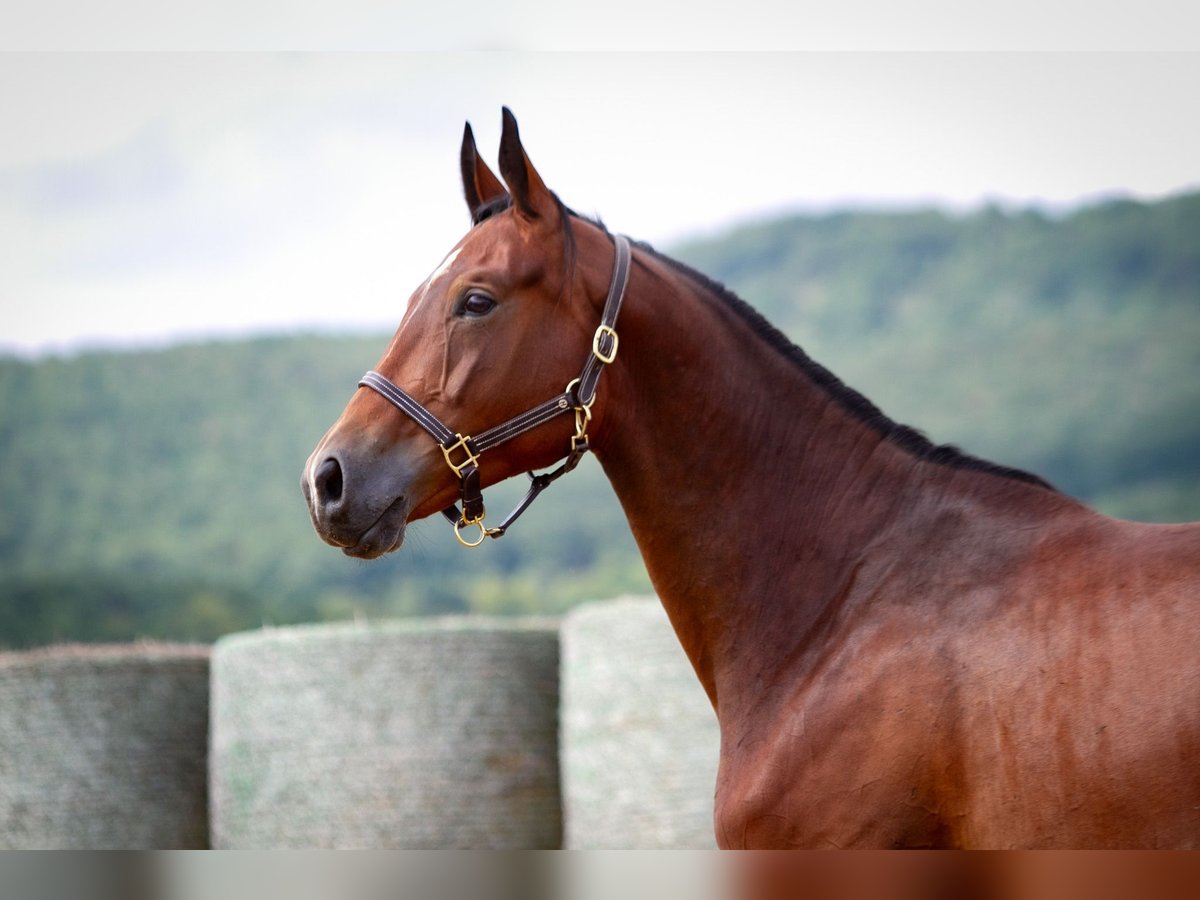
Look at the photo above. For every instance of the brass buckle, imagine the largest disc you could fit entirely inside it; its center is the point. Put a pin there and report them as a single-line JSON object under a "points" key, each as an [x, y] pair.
{"points": [[471, 460], [603, 330]]}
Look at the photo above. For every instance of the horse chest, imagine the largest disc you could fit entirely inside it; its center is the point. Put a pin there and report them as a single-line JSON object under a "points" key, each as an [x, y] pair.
{"points": [[862, 766]]}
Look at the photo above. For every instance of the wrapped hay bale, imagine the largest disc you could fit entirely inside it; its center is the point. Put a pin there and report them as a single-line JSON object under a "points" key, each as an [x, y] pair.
{"points": [[434, 733], [640, 741], [104, 747]]}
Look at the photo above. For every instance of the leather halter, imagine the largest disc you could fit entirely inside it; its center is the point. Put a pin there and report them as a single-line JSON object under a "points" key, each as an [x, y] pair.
{"points": [[462, 452]]}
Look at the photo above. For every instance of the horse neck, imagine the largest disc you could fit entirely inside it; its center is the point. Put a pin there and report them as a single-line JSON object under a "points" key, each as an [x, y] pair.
{"points": [[751, 490]]}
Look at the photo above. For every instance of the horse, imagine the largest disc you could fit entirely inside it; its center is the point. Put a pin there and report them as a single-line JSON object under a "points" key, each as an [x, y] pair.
{"points": [[904, 645]]}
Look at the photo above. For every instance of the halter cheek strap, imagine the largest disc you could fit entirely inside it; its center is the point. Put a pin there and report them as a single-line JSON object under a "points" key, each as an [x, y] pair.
{"points": [[462, 452]]}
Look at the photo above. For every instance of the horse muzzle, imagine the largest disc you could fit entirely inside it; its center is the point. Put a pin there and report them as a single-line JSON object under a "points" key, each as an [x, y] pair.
{"points": [[360, 506]]}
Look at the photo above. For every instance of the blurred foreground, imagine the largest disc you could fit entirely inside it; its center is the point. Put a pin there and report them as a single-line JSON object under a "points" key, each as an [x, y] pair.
{"points": [[604, 875]]}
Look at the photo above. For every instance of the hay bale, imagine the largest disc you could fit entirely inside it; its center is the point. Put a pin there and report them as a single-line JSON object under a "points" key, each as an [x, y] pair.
{"points": [[104, 747], [415, 734], [639, 737]]}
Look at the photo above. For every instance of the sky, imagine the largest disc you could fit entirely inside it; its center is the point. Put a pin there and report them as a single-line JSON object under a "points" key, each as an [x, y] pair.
{"points": [[147, 198]]}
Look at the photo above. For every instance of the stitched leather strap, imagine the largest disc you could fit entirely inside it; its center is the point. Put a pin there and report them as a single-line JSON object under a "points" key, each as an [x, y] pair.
{"points": [[408, 405], [605, 342], [538, 483]]}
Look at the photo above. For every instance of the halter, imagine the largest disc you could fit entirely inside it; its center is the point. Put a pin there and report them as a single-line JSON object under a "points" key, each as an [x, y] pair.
{"points": [[462, 452]]}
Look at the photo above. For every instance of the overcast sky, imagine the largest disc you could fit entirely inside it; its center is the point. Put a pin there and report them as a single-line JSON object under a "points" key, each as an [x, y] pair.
{"points": [[152, 197]]}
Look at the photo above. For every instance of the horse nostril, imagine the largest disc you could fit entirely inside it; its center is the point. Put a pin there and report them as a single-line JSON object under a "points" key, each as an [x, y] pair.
{"points": [[328, 481]]}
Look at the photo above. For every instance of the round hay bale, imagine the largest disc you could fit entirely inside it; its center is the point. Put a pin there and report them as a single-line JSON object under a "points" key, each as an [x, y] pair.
{"points": [[640, 739], [104, 747], [428, 733]]}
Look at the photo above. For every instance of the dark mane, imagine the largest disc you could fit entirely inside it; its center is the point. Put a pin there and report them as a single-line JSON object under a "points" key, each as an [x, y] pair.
{"points": [[905, 437], [485, 211]]}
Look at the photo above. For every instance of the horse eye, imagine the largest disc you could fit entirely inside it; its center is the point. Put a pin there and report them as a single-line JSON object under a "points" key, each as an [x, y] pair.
{"points": [[476, 304]]}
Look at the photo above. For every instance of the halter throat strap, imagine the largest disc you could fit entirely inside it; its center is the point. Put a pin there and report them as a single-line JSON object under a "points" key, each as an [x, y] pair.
{"points": [[462, 452]]}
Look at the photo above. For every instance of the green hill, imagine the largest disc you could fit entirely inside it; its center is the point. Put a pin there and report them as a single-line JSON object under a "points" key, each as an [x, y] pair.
{"points": [[156, 493]]}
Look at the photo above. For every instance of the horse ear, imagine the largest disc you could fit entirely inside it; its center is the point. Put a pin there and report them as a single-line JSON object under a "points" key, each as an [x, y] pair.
{"points": [[531, 198], [480, 186]]}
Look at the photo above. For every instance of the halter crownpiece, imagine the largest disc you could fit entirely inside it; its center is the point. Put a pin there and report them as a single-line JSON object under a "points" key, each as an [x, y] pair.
{"points": [[462, 452]]}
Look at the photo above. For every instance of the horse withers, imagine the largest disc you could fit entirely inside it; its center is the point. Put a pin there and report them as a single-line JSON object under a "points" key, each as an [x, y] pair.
{"points": [[905, 646]]}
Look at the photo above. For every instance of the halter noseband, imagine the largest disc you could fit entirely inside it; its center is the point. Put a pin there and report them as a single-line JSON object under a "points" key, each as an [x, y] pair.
{"points": [[462, 453]]}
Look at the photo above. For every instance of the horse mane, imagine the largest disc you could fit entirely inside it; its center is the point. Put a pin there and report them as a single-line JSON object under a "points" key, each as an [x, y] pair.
{"points": [[907, 438]]}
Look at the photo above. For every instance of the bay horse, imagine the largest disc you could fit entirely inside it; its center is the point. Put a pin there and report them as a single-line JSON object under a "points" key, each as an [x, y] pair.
{"points": [[905, 646]]}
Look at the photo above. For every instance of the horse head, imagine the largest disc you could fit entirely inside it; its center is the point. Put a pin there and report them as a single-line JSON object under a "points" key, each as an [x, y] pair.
{"points": [[501, 324]]}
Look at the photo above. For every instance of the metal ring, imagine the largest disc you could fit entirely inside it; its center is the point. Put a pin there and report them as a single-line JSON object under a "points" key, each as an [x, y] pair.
{"points": [[586, 407], [462, 540]]}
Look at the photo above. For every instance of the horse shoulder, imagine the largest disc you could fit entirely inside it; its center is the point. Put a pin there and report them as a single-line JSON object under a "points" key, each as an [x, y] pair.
{"points": [[1023, 687], [1079, 692], [857, 754]]}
